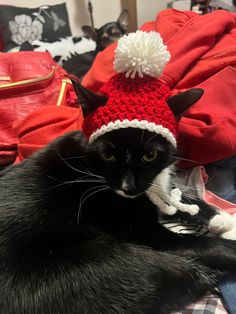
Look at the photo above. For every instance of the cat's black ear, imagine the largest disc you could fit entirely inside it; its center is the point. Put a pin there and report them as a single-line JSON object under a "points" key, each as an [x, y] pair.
{"points": [[88, 100], [182, 101], [90, 32], [123, 19]]}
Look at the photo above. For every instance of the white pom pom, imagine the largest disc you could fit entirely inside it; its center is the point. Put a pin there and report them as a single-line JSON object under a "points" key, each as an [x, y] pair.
{"points": [[141, 53]]}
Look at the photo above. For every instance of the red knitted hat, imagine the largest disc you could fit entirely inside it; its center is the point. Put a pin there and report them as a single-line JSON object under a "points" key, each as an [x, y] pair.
{"points": [[136, 97]]}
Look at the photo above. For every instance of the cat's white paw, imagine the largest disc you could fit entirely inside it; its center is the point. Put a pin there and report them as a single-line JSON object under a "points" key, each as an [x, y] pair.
{"points": [[231, 234], [221, 223]]}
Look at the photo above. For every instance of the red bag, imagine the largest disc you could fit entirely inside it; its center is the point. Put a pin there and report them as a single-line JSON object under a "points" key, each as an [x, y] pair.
{"points": [[28, 80]]}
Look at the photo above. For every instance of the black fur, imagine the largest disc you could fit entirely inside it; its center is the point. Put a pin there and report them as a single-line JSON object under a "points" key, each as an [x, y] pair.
{"points": [[103, 254], [128, 146], [79, 64]]}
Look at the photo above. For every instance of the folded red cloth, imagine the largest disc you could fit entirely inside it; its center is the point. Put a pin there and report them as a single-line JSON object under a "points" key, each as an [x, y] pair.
{"points": [[44, 125], [202, 50]]}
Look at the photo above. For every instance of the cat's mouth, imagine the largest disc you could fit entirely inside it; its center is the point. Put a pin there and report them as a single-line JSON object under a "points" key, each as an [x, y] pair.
{"points": [[122, 193]]}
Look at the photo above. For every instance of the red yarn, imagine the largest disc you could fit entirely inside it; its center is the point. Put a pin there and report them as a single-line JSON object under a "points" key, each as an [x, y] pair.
{"points": [[139, 98]]}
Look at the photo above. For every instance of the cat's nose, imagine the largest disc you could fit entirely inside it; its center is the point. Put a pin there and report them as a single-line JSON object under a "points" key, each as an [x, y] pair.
{"points": [[128, 182]]}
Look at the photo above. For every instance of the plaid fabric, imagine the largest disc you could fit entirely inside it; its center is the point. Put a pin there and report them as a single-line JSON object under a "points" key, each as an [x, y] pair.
{"points": [[184, 227], [210, 304]]}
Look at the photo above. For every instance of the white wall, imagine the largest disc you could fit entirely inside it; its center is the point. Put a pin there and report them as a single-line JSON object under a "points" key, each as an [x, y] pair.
{"points": [[148, 9], [104, 11]]}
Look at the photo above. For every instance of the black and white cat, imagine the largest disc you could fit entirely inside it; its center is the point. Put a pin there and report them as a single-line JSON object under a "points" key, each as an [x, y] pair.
{"points": [[157, 184], [70, 242]]}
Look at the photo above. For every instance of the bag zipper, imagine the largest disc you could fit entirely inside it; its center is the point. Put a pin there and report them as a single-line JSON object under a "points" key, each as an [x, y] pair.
{"points": [[62, 92], [29, 81]]}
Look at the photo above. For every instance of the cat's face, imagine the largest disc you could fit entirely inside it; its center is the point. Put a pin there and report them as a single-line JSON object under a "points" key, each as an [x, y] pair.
{"points": [[130, 159]]}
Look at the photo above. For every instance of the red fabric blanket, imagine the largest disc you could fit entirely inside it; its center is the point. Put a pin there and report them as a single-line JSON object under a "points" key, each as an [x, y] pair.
{"points": [[203, 54], [44, 125]]}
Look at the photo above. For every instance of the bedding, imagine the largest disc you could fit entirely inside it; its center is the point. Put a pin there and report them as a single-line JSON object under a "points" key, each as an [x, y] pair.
{"points": [[212, 303], [62, 49]]}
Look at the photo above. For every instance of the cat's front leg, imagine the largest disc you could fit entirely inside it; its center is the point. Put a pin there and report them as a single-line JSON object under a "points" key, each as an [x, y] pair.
{"points": [[195, 212], [217, 221], [175, 205], [212, 251], [223, 224]]}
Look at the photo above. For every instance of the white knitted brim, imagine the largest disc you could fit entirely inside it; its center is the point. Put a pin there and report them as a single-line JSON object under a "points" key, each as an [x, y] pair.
{"points": [[139, 124]]}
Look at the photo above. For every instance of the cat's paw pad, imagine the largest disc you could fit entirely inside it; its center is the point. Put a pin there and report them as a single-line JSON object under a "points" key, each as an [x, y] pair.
{"points": [[221, 223]]}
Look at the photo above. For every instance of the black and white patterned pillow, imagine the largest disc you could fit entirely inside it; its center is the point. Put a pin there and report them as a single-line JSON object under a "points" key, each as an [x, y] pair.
{"points": [[20, 25], [62, 49]]}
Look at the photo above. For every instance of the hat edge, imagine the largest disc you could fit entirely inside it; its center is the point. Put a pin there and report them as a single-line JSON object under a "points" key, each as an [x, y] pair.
{"points": [[139, 124]]}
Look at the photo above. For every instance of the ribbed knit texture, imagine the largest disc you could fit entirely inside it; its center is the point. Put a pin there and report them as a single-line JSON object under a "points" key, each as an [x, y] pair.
{"points": [[142, 99]]}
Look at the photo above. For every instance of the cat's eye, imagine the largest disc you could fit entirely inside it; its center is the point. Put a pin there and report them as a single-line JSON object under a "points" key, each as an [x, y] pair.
{"points": [[108, 156], [150, 156]]}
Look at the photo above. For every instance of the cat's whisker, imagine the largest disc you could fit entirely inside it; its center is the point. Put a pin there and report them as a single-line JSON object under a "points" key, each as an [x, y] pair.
{"points": [[75, 169], [177, 185], [100, 178], [89, 173], [75, 157], [190, 196], [142, 136], [71, 167], [89, 189], [111, 144], [149, 140], [62, 181], [185, 197], [55, 179], [159, 188], [77, 181], [95, 175], [185, 159], [83, 199], [91, 181]]}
